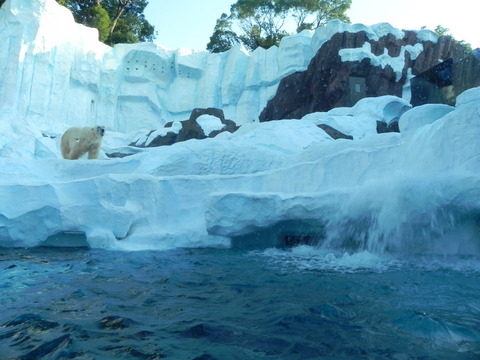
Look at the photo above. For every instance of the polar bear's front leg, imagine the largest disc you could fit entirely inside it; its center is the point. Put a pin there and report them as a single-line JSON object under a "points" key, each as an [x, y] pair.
{"points": [[93, 151]]}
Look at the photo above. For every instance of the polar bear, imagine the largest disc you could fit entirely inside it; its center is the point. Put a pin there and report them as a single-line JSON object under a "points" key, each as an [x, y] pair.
{"points": [[76, 141]]}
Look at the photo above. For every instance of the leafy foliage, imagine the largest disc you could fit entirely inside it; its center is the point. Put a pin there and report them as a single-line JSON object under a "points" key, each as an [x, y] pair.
{"points": [[263, 23], [118, 21], [97, 17], [442, 31], [223, 37]]}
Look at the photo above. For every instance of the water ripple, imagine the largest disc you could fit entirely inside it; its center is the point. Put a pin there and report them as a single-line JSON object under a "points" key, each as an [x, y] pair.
{"points": [[231, 304]]}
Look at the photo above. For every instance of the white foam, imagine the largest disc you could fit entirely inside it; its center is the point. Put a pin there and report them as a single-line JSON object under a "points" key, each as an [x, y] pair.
{"points": [[308, 258]]}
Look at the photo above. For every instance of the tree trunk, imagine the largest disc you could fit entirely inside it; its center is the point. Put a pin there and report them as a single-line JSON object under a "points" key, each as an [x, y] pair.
{"points": [[122, 4]]}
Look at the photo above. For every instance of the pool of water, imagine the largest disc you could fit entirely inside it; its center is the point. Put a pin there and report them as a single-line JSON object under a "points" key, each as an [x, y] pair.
{"points": [[300, 303]]}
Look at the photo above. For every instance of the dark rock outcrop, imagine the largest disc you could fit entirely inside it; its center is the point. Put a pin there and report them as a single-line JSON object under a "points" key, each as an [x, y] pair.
{"points": [[190, 129], [196, 113], [327, 82], [334, 133], [230, 125], [382, 127]]}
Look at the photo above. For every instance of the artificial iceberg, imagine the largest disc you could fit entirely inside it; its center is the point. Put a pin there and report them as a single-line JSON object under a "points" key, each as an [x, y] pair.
{"points": [[381, 192]]}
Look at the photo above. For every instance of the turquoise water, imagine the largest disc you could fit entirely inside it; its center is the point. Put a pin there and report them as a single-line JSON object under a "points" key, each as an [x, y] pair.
{"points": [[300, 303]]}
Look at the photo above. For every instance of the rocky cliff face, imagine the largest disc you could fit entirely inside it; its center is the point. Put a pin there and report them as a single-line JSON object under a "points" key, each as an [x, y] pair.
{"points": [[351, 66]]}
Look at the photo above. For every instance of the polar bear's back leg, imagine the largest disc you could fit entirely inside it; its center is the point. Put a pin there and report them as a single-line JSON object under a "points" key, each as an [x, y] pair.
{"points": [[75, 153], [65, 147]]}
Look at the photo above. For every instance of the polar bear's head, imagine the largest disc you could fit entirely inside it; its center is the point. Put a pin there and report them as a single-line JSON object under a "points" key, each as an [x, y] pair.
{"points": [[101, 130]]}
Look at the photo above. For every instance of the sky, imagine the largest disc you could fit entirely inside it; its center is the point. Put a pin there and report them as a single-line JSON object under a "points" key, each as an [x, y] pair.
{"points": [[190, 23]]}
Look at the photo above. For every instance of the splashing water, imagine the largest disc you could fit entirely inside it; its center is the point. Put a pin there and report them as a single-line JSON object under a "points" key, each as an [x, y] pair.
{"points": [[410, 216]]}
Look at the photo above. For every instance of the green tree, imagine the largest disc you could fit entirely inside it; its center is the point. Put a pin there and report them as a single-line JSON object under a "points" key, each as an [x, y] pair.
{"points": [[323, 10], [223, 37], [117, 21], [442, 31], [263, 23], [97, 17]]}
